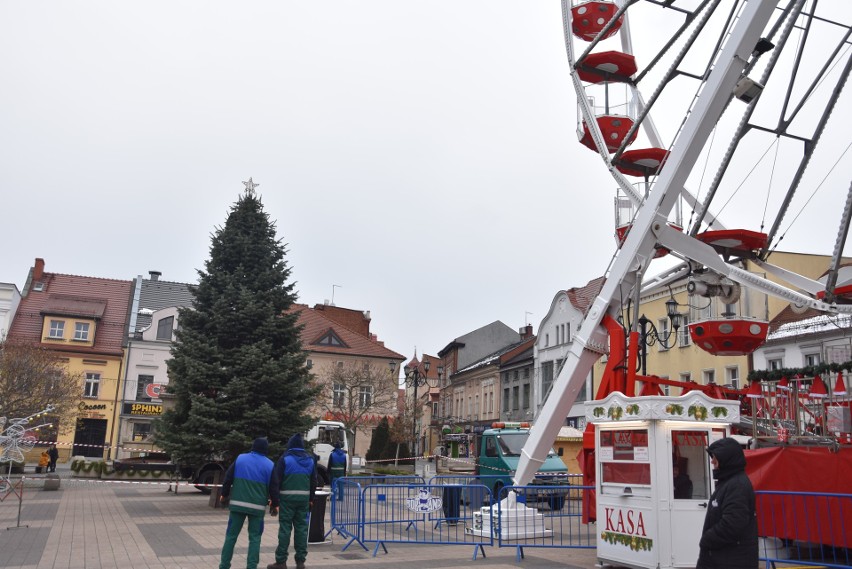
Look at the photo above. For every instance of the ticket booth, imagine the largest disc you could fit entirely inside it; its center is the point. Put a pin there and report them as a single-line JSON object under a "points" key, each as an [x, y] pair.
{"points": [[653, 475]]}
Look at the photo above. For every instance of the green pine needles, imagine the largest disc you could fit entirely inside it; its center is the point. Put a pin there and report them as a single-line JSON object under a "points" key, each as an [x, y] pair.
{"points": [[237, 369]]}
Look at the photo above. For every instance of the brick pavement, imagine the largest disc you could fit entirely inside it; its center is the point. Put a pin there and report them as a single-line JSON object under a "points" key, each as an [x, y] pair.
{"points": [[95, 525]]}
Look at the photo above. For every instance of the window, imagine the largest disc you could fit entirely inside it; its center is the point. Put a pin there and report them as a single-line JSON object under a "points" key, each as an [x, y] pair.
{"points": [[142, 382], [685, 376], [516, 399], [685, 338], [506, 399], [564, 339], [57, 329], [365, 396], [515, 375], [81, 331], [92, 385], [732, 376], [546, 340], [491, 446], [527, 372], [526, 399], [165, 327], [491, 403], [476, 405], [435, 409], [812, 360], [663, 329], [709, 376], [774, 363], [338, 394], [141, 431], [546, 378]]}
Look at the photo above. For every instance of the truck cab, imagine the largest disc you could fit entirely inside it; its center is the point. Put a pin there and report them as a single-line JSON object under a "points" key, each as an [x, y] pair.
{"points": [[499, 453], [322, 436]]}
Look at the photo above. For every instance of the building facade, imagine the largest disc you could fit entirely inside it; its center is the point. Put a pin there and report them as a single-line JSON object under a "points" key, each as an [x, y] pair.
{"points": [[555, 335], [83, 321], [153, 320], [10, 298], [353, 368]]}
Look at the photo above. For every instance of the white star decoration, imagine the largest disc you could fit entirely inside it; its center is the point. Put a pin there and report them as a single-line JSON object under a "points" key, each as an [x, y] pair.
{"points": [[250, 186]]}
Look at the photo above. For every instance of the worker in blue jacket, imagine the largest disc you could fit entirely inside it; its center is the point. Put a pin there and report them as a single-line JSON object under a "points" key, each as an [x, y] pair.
{"points": [[337, 468], [293, 486], [246, 490]]}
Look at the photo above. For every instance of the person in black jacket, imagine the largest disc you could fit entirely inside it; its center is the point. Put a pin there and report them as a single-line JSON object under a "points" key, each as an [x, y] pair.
{"points": [[729, 537]]}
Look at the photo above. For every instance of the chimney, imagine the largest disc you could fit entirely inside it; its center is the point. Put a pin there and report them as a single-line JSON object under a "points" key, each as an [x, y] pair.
{"points": [[526, 332], [38, 270], [155, 275]]}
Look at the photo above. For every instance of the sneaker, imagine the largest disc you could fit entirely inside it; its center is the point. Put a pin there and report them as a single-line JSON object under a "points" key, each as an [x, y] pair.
{"points": [[282, 565]]}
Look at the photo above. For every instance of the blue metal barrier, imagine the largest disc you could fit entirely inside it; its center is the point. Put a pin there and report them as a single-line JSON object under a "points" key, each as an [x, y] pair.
{"points": [[411, 513], [347, 512], [545, 516], [805, 528]]}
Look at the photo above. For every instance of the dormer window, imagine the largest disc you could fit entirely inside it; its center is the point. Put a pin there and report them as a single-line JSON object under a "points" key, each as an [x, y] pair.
{"points": [[330, 339], [81, 331], [165, 327], [57, 329]]}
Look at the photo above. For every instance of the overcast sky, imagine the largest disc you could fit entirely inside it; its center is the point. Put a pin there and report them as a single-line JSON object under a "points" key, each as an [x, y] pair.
{"points": [[419, 158]]}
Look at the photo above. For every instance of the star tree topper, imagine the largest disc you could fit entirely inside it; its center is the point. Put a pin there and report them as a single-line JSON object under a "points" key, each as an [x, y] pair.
{"points": [[250, 186]]}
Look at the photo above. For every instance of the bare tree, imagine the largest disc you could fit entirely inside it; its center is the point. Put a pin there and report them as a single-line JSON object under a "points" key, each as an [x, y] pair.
{"points": [[31, 378], [400, 429], [355, 393]]}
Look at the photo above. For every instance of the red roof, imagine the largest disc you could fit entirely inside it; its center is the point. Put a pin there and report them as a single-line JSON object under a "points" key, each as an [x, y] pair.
{"points": [[581, 298], [317, 326], [106, 300]]}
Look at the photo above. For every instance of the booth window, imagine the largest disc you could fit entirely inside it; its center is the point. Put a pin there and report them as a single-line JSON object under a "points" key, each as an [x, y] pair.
{"points": [[624, 457], [690, 465]]}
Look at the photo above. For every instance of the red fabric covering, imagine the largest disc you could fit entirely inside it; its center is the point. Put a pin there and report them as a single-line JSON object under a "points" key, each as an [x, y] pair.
{"points": [[813, 519]]}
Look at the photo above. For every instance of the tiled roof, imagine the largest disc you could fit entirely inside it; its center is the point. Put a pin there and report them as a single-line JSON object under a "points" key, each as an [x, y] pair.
{"points": [[788, 324], [87, 292], [491, 358], [581, 298], [156, 295], [317, 326]]}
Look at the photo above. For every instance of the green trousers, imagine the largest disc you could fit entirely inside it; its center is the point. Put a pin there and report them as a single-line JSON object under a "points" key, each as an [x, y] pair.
{"points": [[235, 526], [293, 516]]}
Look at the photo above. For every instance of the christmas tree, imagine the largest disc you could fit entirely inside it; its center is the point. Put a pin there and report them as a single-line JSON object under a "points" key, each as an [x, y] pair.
{"points": [[238, 369]]}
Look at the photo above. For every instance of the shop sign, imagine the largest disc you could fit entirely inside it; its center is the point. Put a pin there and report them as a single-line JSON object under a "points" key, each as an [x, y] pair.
{"points": [[142, 409], [92, 406]]}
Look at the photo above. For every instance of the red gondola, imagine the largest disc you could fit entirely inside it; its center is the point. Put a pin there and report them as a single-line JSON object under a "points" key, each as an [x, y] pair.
{"points": [[589, 18], [613, 127], [642, 162], [607, 66], [734, 240], [729, 336]]}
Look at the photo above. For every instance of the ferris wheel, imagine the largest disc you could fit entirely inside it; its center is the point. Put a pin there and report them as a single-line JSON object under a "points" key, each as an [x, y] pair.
{"points": [[704, 110]]}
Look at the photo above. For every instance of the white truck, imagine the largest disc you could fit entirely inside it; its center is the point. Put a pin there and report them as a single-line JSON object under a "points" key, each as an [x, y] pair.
{"points": [[322, 437]]}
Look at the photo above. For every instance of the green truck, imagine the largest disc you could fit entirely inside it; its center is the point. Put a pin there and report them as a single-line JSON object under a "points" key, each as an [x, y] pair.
{"points": [[499, 450]]}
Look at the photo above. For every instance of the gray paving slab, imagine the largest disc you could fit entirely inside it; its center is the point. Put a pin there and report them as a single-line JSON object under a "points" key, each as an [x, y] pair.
{"points": [[94, 525]]}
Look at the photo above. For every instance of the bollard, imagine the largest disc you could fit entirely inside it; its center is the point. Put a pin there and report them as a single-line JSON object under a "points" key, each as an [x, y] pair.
{"points": [[216, 490], [51, 482]]}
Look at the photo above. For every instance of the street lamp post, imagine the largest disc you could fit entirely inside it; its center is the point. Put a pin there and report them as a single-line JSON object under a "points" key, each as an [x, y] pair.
{"points": [[415, 378], [652, 336]]}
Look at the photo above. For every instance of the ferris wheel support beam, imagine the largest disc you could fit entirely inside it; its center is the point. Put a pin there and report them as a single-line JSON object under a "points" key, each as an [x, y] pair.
{"points": [[702, 253], [638, 249]]}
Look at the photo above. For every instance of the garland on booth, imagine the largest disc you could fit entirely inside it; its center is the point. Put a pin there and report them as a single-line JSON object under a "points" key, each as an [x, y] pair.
{"points": [[791, 372]]}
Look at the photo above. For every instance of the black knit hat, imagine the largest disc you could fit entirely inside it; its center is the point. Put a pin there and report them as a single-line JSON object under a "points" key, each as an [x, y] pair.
{"points": [[260, 446]]}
